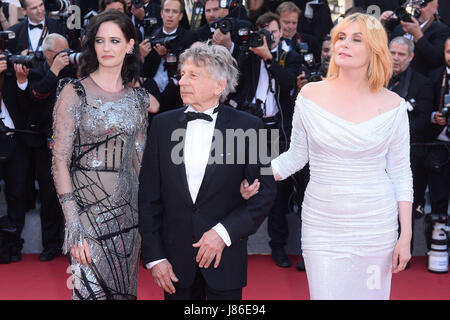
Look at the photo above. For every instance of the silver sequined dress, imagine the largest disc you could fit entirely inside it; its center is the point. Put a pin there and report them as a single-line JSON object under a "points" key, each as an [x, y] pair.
{"points": [[99, 138]]}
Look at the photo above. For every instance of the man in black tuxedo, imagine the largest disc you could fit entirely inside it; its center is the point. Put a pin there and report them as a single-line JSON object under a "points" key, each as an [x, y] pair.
{"points": [[417, 90], [268, 80], [439, 163], [39, 89], [193, 220], [428, 35], [30, 33], [160, 64], [15, 155]]}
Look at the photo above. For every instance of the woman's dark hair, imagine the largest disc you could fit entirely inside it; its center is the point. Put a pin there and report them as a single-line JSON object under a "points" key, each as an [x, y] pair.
{"points": [[89, 62]]}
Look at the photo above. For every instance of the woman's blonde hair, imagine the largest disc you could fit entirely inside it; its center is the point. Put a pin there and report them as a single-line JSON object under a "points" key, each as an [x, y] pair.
{"points": [[379, 71]]}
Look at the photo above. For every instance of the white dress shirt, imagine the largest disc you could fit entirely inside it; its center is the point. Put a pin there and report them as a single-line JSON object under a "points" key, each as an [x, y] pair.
{"points": [[4, 114], [197, 147], [262, 91], [161, 77], [35, 36]]}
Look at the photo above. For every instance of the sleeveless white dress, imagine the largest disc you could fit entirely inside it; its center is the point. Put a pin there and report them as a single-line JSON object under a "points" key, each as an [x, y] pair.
{"points": [[359, 172]]}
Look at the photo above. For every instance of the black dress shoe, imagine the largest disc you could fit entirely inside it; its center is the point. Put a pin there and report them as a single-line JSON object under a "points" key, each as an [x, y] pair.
{"points": [[280, 258], [50, 254], [300, 265], [16, 255]]}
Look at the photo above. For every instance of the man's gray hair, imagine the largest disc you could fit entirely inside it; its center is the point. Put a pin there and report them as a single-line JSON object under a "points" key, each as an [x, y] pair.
{"points": [[49, 41], [217, 60], [404, 41]]}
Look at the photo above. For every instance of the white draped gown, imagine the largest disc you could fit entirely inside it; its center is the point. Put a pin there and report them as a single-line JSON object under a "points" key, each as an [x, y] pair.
{"points": [[359, 173]]}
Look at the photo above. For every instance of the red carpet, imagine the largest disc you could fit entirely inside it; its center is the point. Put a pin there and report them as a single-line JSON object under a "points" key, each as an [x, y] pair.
{"points": [[31, 279]]}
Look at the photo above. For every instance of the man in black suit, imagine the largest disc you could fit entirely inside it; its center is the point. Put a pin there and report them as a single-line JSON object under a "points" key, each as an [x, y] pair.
{"points": [[30, 33], [15, 156], [428, 35], [39, 89], [417, 90], [161, 62], [439, 163], [192, 218], [268, 80]]}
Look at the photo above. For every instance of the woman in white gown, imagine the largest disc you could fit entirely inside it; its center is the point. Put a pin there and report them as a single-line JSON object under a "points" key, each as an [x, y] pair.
{"points": [[355, 135]]}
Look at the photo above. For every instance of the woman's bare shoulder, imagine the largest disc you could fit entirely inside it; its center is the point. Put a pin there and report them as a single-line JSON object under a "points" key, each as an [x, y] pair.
{"points": [[389, 99], [312, 89]]}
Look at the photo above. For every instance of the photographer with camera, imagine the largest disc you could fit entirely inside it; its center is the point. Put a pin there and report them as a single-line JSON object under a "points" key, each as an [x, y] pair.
{"points": [[417, 90], [268, 76], [30, 33], [427, 33], [439, 131], [146, 17], [15, 165], [39, 89], [304, 44], [167, 43], [221, 27]]}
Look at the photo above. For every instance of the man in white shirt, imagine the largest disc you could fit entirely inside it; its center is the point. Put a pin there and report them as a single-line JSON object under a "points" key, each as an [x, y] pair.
{"points": [[30, 33], [193, 220]]}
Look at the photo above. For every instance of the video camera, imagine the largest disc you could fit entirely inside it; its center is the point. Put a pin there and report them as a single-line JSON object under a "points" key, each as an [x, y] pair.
{"points": [[28, 61], [253, 39]]}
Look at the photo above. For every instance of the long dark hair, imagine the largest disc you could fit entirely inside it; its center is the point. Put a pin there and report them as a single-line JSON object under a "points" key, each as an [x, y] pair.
{"points": [[89, 62]]}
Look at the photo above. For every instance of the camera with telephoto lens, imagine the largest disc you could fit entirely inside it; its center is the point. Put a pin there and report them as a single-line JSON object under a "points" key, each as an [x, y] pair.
{"points": [[225, 25], [171, 65], [445, 111], [74, 56], [314, 76], [28, 61], [302, 49], [137, 3], [409, 9], [56, 6], [168, 42], [253, 39]]}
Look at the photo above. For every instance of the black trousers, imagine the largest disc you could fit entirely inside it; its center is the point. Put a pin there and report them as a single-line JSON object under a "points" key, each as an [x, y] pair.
{"points": [[15, 172], [201, 291], [439, 178], [52, 217], [420, 174]]}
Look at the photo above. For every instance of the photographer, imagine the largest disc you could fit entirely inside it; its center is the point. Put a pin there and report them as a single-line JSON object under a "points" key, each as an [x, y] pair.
{"points": [[268, 76], [143, 10], [214, 14], [14, 154], [40, 90], [30, 33], [161, 61], [304, 44], [427, 33], [439, 173], [417, 90]]}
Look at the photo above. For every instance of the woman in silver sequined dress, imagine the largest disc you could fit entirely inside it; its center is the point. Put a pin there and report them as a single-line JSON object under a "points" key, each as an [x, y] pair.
{"points": [[100, 126]]}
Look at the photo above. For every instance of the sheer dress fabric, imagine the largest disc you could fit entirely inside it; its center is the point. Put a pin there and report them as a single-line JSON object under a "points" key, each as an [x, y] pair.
{"points": [[99, 139]]}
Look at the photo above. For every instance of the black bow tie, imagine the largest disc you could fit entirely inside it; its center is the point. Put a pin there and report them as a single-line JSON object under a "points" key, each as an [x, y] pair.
{"points": [[40, 26], [190, 115]]}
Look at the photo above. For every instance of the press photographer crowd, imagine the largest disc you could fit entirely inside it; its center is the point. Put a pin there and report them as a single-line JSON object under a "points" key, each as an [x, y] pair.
{"points": [[279, 46]]}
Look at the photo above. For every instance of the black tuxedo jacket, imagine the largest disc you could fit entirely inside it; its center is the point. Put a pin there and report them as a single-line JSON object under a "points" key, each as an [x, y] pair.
{"points": [[429, 50], [170, 222], [421, 90], [21, 42], [436, 77]]}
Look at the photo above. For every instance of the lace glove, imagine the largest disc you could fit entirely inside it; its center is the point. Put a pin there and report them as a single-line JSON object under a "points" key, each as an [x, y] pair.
{"points": [[74, 231]]}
